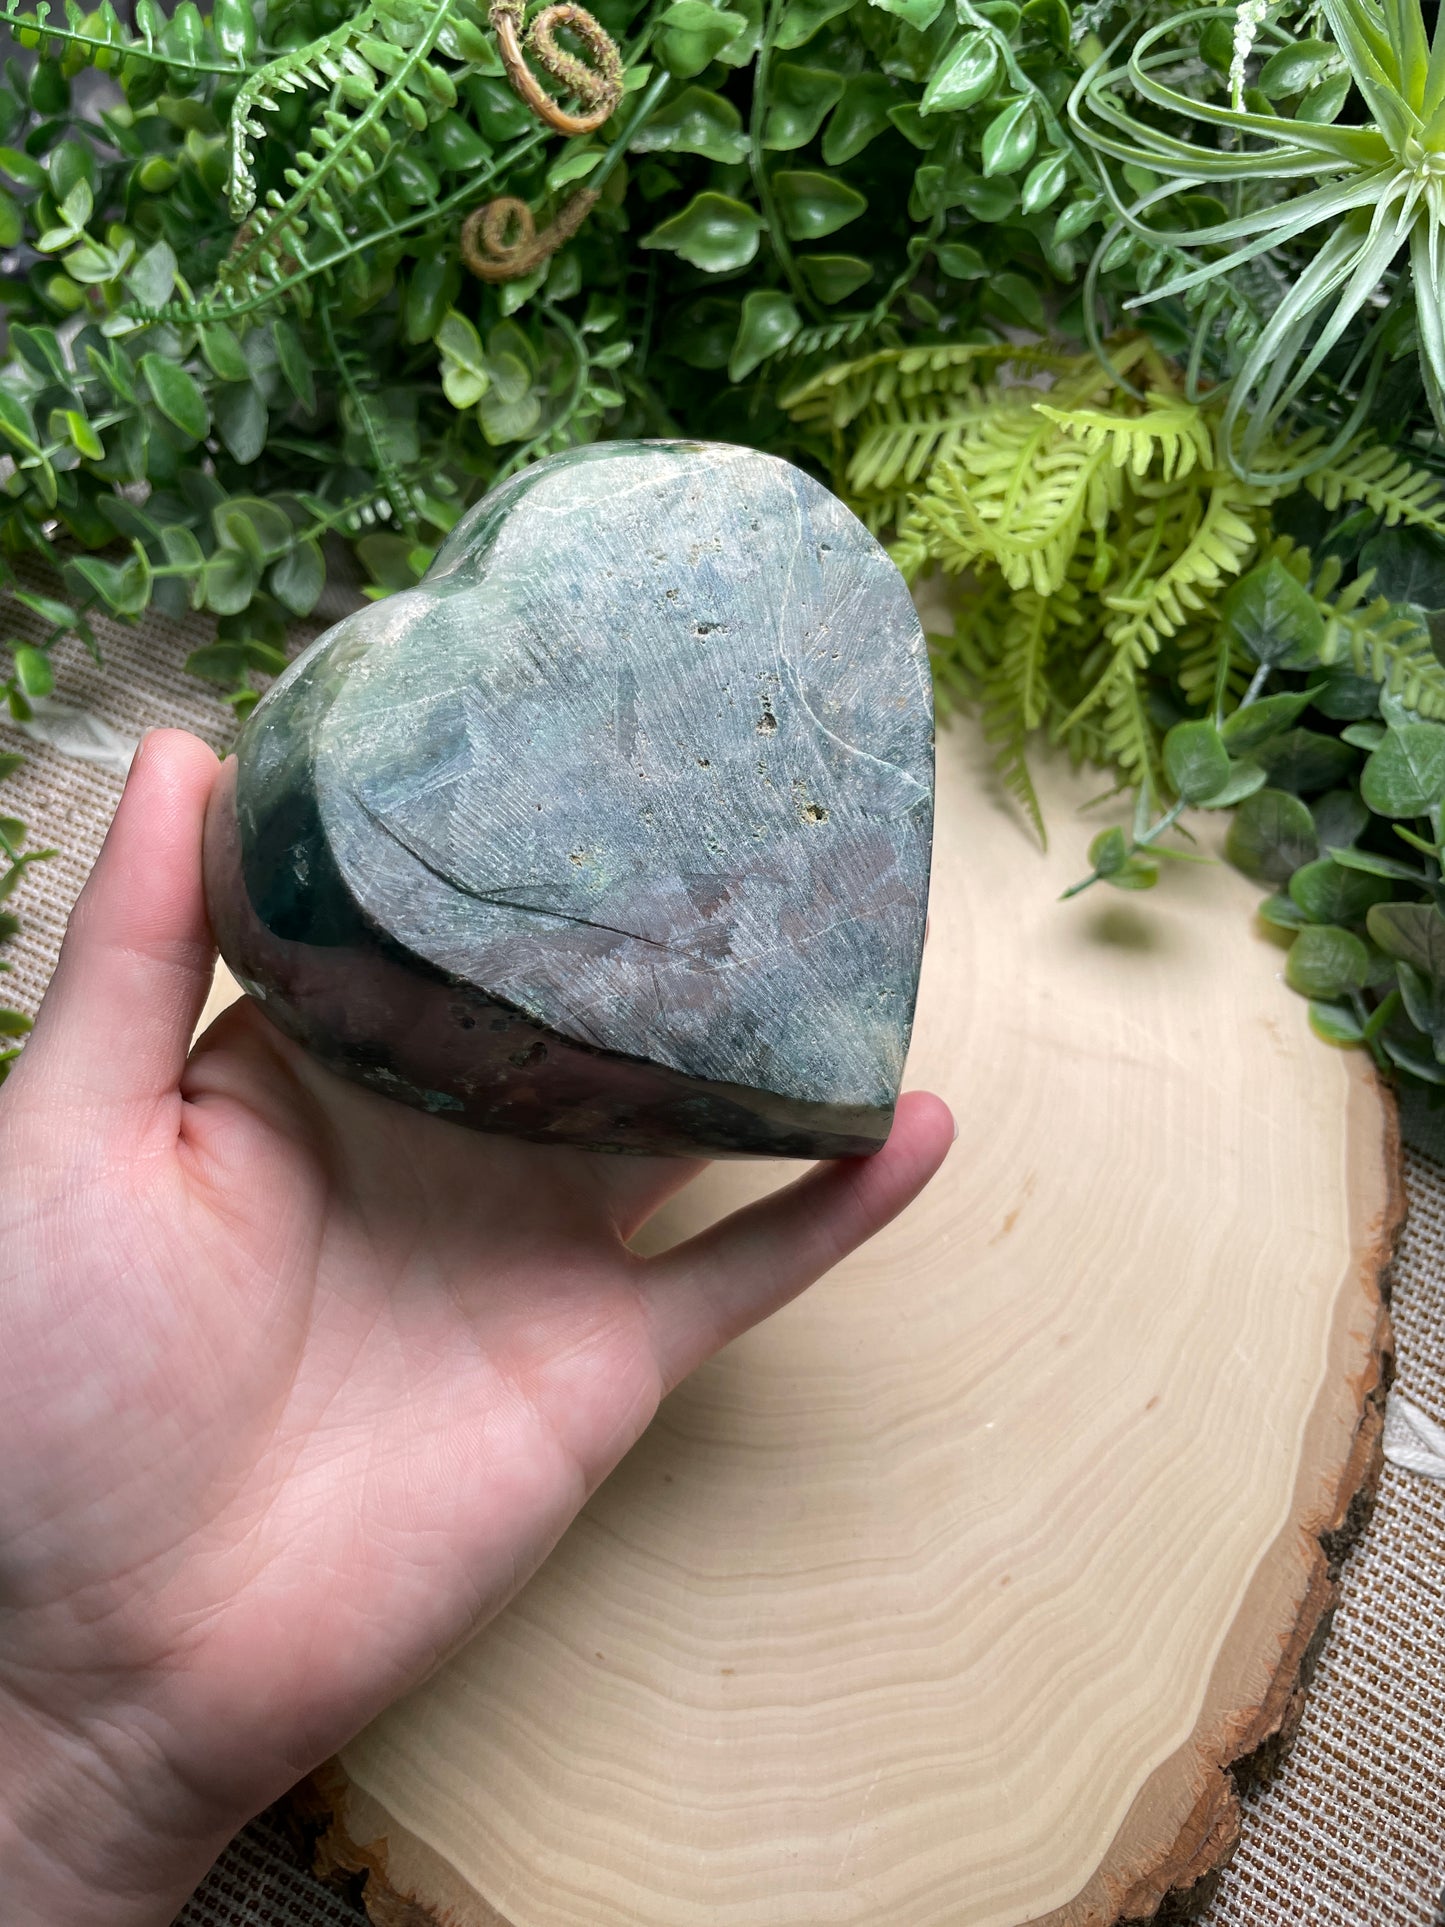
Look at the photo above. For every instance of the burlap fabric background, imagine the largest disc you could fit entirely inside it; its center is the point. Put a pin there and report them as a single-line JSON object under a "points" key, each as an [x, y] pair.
{"points": [[1352, 1831]]}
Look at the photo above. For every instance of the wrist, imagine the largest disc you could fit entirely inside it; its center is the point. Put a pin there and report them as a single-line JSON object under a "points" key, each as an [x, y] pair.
{"points": [[94, 1832]]}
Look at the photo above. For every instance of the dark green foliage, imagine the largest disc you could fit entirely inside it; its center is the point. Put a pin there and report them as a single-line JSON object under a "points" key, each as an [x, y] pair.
{"points": [[258, 238], [241, 329]]}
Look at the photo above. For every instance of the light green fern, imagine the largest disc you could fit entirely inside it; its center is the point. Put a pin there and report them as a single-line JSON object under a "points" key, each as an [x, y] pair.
{"points": [[1380, 479], [1093, 530], [1170, 433]]}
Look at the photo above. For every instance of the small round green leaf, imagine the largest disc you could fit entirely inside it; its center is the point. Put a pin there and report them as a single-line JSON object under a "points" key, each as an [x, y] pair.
{"points": [[859, 118], [1412, 933], [229, 581], [177, 395], [1304, 761], [1109, 852], [1340, 817], [1258, 721], [1294, 70], [1405, 776], [299, 577], [1326, 961], [1076, 217], [1345, 697], [697, 122], [920, 14], [1271, 835], [1046, 181], [1283, 912], [1327, 892], [240, 419], [801, 19], [1325, 100], [1010, 138], [768, 323], [813, 205], [465, 377], [153, 275], [960, 262], [1424, 1000], [1016, 298], [833, 277], [1273, 616], [693, 34], [714, 232], [1195, 761], [964, 76], [800, 100], [1335, 1024], [33, 671], [1139, 873], [1245, 778], [223, 353]]}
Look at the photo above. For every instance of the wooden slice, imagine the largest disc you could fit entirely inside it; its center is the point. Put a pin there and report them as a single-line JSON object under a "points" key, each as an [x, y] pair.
{"points": [[960, 1593]]}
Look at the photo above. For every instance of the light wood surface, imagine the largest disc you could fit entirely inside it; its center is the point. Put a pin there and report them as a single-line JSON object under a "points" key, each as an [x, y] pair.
{"points": [[946, 1598]]}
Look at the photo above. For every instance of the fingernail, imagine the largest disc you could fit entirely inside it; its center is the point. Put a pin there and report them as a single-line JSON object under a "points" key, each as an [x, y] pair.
{"points": [[955, 1130]]}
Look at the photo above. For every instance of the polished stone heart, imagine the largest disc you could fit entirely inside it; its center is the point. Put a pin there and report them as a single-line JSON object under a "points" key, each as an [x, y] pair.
{"points": [[615, 830]]}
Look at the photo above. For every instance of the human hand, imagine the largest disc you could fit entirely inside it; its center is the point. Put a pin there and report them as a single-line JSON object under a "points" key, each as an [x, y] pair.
{"points": [[297, 1386]]}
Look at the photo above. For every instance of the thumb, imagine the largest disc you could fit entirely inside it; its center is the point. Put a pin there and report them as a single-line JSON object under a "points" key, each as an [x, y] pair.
{"points": [[136, 963], [703, 1293]]}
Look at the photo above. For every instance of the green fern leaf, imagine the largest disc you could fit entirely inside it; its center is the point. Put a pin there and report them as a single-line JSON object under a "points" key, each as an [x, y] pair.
{"points": [[1172, 433], [1219, 546], [1379, 479], [385, 85]]}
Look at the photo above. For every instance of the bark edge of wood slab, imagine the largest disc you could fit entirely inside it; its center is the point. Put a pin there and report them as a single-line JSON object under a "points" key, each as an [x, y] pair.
{"points": [[613, 831], [1176, 1822]]}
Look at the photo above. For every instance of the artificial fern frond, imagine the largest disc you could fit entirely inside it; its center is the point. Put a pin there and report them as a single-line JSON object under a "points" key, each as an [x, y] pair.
{"points": [[1379, 479], [352, 370], [1130, 740], [1015, 491], [331, 61], [1172, 433], [1027, 492], [895, 450], [837, 396], [1198, 648], [385, 85], [1219, 542], [1395, 650], [1016, 696]]}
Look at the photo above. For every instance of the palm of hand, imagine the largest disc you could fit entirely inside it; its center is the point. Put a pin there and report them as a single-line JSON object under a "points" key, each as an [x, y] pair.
{"points": [[300, 1385]]}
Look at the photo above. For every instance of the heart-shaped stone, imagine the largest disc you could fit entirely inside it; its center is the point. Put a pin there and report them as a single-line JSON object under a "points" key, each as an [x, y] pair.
{"points": [[615, 830]]}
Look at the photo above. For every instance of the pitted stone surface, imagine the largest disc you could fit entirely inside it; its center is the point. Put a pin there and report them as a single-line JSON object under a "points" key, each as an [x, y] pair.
{"points": [[645, 766]]}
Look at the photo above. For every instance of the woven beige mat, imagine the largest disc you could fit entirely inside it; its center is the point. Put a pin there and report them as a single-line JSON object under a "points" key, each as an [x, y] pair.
{"points": [[1352, 1831]]}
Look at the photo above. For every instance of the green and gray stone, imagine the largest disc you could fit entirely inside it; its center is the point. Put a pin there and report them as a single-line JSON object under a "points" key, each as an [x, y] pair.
{"points": [[615, 830]]}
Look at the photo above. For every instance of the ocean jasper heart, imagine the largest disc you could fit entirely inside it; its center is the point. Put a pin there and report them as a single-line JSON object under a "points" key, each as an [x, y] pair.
{"points": [[613, 831]]}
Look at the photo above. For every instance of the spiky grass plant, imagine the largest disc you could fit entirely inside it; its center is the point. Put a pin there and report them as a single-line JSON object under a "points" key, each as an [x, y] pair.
{"points": [[1356, 196]]}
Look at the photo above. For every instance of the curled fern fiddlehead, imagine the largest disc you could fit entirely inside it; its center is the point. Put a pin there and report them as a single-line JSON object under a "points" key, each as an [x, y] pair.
{"points": [[500, 241], [598, 87]]}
